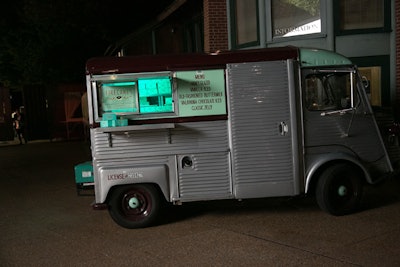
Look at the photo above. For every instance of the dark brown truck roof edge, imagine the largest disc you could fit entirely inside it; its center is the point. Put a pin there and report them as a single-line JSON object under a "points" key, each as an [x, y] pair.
{"points": [[174, 62]]}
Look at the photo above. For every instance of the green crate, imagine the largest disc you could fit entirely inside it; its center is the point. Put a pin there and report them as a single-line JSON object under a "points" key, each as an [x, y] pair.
{"points": [[84, 173]]}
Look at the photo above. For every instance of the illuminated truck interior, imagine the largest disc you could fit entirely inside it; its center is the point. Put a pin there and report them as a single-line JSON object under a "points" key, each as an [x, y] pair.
{"points": [[139, 96]]}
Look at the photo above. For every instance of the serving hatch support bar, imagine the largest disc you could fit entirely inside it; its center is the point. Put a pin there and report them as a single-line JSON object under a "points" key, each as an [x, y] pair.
{"points": [[128, 129]]}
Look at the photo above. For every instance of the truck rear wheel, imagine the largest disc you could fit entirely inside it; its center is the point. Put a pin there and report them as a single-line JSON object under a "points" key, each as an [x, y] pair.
{"points": [[339, 189], [134, 206]]}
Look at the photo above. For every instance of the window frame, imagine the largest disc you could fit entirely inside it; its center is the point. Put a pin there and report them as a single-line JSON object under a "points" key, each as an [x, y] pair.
{"points": [[207, 89], [193, 38], [97, 80], [386, 21], [101, 89], [234, 29], [384, 63], [355, 98], [272, 39]]}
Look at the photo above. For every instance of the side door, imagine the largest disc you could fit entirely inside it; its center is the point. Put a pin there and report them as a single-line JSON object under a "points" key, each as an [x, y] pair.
{"points": [[264, 129]]}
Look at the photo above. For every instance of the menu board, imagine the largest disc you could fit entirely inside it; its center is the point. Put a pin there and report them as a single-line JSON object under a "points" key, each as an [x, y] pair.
{"points": [[201, 93]]}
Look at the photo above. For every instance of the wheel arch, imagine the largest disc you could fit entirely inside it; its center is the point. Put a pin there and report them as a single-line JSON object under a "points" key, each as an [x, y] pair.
{"points": [[317, 166], [163, 193], [107, 178]]}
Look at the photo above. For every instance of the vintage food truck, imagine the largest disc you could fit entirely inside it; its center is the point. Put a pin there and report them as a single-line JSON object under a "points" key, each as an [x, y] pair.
{"points": [[233, 125]]}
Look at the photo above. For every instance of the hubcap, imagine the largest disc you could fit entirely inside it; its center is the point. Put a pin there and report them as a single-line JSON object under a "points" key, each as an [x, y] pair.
{"points": [[133, 203], [342, 190]]}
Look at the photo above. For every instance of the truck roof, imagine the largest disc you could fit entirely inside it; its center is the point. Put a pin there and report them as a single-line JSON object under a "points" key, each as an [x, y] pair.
{"points": [[308, 57], [311, 57], [173, 62]]}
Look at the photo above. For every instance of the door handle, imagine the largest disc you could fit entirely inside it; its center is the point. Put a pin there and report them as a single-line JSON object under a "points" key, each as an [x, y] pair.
{"points": [[283, 128]]}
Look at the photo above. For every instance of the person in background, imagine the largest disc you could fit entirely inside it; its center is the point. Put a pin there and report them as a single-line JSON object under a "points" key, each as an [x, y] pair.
{"points": [[13, 117], [19, 122]]}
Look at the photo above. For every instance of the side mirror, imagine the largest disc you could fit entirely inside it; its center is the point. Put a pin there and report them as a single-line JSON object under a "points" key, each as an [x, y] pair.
{"points": [[365, 82]]}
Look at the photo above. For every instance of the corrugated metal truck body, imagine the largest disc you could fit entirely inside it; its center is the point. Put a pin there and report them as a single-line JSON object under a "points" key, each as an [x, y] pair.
{"points": [[237, 125]]}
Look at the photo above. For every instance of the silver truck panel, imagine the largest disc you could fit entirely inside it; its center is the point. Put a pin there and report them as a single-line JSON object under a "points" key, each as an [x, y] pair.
{"points": [[192, 137], [205, 142], [127, 166], [264, 144], [353, 134], [119, 175], [206, 177]]}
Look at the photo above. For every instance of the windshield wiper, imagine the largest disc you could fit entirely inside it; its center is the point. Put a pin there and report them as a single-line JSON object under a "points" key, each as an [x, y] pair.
{"points": [[340, 112]]}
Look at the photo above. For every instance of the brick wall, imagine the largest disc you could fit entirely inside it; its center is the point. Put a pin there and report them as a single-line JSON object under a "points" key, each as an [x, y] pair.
{"points": [[215, 25]]}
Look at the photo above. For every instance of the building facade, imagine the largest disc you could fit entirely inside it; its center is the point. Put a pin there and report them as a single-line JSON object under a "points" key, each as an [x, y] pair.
{"points": [[364, 31], [178, 29]]}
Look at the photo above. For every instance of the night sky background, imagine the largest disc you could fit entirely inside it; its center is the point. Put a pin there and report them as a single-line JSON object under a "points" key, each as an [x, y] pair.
{"points": [[49, 41]]}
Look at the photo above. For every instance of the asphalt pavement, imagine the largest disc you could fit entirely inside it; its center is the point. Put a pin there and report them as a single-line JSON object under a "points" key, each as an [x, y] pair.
{"points": [[45, 223]]}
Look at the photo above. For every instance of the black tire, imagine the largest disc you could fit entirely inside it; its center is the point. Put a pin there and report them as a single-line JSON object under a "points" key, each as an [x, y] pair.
{"points": [[134, 206], [339, 189]]}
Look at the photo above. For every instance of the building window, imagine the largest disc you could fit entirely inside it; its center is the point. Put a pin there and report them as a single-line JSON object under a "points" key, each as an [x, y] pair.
{"points": [[245, 23], [362, 16], [295, 17], [193, 37], [376, 73], [372, 80]]}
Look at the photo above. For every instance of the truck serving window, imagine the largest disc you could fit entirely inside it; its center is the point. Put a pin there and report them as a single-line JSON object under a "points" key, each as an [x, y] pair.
{"points": [[136, 96], [155, 95], [329, 91], [118, 97]]}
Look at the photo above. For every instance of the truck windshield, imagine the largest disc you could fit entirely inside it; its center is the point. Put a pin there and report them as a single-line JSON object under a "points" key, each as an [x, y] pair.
{"points": [[329, 90]]}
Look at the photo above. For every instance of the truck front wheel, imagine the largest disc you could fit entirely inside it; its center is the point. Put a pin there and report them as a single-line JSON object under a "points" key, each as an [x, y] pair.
{"points": [[134, 206], [339, 189]]}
